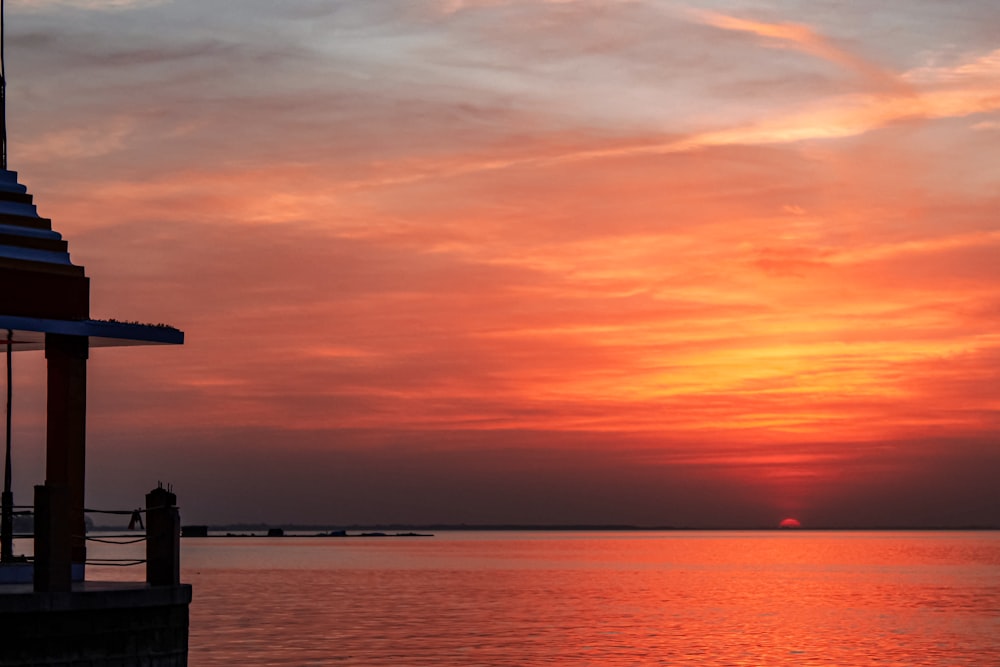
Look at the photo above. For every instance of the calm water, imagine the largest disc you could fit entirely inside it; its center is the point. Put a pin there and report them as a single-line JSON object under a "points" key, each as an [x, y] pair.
{"points": [[704, 598]]}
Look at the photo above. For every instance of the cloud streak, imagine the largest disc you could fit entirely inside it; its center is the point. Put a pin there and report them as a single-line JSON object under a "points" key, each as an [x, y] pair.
{"points": [[103, 5]]}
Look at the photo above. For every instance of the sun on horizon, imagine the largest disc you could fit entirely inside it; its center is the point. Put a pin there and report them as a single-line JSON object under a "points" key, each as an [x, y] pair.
{"points": [[790, 523]]}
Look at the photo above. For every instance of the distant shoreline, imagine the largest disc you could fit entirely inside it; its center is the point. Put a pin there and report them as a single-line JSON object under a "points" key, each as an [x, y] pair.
{"points": [[558, 527]]}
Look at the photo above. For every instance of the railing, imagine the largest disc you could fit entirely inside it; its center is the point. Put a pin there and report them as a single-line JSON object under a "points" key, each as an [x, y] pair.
{"points": [[135, 517], [54, 537]]}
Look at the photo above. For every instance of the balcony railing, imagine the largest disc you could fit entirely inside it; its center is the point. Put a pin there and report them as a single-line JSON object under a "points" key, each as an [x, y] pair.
{"points": [[53, 560]]}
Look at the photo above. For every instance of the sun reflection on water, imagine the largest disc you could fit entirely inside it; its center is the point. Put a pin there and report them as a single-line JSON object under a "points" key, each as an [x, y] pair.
{"points": [[702, 598]]}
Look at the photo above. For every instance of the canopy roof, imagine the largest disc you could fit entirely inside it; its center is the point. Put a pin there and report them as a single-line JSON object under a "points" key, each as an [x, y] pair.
{"points": [[28, 333], [44, 292]]}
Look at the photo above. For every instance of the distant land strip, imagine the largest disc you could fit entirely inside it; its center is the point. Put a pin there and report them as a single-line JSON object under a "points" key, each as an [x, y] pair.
{"points": [[523, 527]]}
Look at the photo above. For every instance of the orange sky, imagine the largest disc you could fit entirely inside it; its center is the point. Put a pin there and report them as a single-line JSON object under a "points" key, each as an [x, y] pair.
{"points": [[527, 261]]}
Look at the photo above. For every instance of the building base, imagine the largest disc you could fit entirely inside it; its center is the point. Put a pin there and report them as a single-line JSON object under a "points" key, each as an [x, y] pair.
{"points": [[97, 624]]}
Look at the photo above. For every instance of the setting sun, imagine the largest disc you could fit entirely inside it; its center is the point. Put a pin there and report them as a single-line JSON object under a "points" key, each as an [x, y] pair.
{"points": [[789, 523]]}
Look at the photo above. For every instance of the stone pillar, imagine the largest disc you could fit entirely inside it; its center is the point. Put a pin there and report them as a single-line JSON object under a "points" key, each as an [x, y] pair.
{"points": [[66, 434], [52, 542], [163, 538]]}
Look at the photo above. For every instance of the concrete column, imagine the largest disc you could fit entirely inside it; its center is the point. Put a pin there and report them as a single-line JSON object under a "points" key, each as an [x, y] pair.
{"points": [[163, 538], [66, 435], [52, 542]]}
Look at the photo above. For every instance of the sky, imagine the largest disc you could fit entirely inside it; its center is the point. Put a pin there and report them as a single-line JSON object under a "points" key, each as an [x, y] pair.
{"points": [[707, 264]]}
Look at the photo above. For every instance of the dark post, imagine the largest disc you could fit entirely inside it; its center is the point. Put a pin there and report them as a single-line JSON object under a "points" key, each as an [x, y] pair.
{"points": [[7, 527], [52, 543], [7, 499], [66, 430], [3, 94], [163, 538]]}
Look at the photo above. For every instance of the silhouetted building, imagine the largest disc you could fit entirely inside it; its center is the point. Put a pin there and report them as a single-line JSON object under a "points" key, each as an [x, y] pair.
{"points": [[48, 614]]}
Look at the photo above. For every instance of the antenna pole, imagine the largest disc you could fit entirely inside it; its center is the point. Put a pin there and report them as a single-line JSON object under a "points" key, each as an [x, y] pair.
{"points": [[7, 499], [7, 512], [3, 95]]}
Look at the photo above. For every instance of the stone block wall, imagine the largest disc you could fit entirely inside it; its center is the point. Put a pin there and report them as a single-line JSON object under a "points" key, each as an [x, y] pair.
{"points": [[124, 628]]}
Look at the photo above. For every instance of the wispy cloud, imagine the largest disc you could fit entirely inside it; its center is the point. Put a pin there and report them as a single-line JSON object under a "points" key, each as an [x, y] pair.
{"points": [[80, 142], [806, 39], [41, 5]]}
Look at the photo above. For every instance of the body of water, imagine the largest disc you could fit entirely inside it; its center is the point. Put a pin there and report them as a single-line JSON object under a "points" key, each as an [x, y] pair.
{"points": [[602, 598]]}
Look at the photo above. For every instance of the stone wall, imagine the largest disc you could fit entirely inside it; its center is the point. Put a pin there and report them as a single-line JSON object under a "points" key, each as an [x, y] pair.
{"points": [[104, 626]]}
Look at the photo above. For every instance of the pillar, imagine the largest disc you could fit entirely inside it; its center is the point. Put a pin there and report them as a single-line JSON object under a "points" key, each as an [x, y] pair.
{"points": [[52, 542], [163, 538], [66, 436]]}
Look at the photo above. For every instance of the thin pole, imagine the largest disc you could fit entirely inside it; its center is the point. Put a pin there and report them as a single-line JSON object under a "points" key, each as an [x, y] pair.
{"points": [[7, 499], [3, 94], [7, 515]]}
